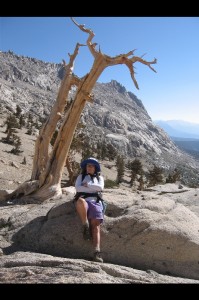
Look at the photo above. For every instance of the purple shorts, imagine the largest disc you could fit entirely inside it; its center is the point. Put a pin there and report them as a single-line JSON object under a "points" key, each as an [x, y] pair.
{"points": [[94, 210]]}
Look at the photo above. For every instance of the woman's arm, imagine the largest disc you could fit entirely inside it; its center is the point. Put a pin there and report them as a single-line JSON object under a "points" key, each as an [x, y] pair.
{"points": [[79, 187], [97, 186], [89, 186]]}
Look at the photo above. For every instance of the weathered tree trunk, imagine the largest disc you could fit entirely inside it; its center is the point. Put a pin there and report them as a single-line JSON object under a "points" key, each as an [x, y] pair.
{"points": [[48, 165], [70, 171]]}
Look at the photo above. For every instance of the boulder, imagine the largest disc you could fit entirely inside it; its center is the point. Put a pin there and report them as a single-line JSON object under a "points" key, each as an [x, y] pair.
{"points": [[34, 268], [143, 231]]}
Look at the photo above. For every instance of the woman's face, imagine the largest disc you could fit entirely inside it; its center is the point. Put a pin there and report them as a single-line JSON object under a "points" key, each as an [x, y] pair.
{"points": [[90, 168]]}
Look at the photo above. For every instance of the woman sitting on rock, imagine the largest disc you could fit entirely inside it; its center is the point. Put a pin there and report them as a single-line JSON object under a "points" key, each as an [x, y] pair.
{"points": [[88, 205]]}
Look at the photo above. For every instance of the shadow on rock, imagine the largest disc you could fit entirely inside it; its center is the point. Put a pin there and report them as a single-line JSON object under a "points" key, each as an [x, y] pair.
{"points": [[26, 239], [59, 233], [113, 211]]}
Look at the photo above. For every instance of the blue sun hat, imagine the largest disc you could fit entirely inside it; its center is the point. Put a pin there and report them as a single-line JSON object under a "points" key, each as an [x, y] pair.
{"points": [[92, 161]]}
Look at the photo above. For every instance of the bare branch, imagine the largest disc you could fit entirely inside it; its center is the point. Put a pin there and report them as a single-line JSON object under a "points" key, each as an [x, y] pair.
{"points": [[147, 63], [131, 69], [119, 59], [73, 56], [64, 63], [91, 46], [124, 59], [129, 53], [122, 55], [143, 55]]}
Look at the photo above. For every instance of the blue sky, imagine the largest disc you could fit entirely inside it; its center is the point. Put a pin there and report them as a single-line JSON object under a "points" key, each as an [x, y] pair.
{"points": [[171, 93]]}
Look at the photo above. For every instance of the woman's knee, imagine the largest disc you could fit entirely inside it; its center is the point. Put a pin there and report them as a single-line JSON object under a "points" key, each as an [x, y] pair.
{"points": [[81, 202], [95, 223]]}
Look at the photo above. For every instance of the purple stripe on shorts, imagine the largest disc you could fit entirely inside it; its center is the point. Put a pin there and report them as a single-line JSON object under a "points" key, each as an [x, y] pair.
{"points": [[95, 210]]}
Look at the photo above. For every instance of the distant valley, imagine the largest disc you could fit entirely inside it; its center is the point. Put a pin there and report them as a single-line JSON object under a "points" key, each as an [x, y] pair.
{"points": [[189, 145], [184, 134], [180, 129]]}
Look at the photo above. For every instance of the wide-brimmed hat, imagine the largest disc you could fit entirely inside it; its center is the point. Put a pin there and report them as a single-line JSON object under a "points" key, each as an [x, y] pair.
{"points": [[92, 161]]}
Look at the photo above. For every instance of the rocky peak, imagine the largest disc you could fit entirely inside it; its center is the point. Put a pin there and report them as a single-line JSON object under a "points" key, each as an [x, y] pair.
{"points": [[15, 68], [122, 90]]}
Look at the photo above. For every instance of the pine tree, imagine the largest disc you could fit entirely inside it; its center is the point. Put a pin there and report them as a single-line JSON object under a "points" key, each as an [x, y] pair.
{"points": [[87, 150], [141, 183], [176, 175], [18, 111], [101, 150], [16, 150], [11, 122], [133, 177], [169, 179], [105, 150], [120, 168], [30, 119], [21, 121], [10, 138], [111, 152], [173, 177], [155, 176], [30, 130], [136, 168]]}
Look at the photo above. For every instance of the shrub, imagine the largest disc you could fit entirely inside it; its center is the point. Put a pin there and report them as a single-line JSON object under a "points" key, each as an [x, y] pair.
{"points": [[108, 183]]}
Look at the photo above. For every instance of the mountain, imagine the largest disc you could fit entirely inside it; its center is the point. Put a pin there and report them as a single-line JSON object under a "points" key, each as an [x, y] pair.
{"points": [[178, 128], [116, 115]]}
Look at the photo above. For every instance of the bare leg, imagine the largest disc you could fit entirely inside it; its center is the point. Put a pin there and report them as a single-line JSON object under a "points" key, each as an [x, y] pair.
{"points": [[95, 225], [81, 207]]}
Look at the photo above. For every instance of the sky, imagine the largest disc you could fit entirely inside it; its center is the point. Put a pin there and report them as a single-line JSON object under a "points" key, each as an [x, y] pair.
{"points": [[170, 94]]}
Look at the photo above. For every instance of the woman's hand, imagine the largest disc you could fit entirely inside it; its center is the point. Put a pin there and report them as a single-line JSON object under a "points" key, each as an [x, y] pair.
{"points": [[85, 184]]}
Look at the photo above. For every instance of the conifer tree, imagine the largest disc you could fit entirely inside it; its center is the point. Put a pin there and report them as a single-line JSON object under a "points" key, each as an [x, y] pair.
{"points": [[21, 121], [141, 183], [155, 176], [18, 111], [173, 177], [136, 168], [120, 168], [17, 144], [11, 122]]}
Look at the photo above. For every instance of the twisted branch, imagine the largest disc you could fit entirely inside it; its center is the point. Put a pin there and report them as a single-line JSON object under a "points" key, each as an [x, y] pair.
{"points": [[119, 59], [91, 46], [124, 59]]}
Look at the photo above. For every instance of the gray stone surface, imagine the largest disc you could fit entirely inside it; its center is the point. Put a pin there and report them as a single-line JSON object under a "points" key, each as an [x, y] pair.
{"points": [[28, 267], [145, 231]]}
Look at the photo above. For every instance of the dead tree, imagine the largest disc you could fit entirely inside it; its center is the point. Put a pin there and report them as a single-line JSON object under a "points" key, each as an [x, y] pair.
{"points": [[48, 162]]}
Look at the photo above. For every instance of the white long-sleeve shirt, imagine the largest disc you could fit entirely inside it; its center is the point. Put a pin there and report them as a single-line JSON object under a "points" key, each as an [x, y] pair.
{"points": [[93, 186]]}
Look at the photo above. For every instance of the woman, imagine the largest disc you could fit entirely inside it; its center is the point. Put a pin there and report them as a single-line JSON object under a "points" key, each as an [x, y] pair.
{"points": [[88, 205]]}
